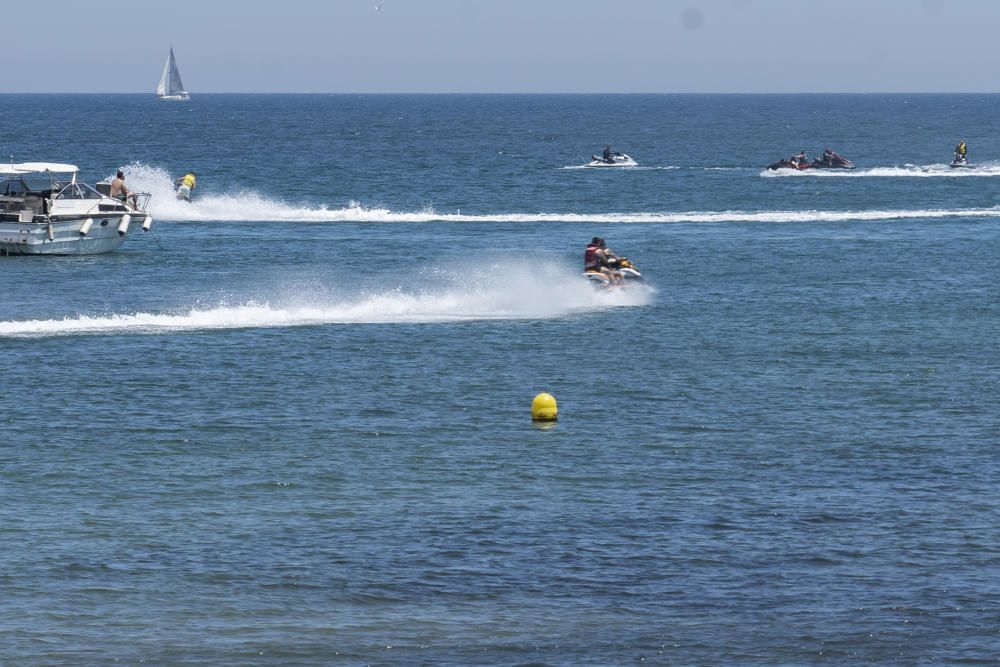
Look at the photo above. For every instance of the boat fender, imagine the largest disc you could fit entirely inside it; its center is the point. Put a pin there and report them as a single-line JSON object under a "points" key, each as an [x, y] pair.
{"points": [[123, 225], [85, 227], [52, 232], [147, 222]]}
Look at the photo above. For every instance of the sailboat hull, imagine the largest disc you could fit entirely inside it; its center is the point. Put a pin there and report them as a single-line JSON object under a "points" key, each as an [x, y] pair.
{"points": [[176, 98]]}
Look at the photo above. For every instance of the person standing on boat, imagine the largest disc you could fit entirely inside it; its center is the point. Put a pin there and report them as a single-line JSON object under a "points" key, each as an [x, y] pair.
{"points": [[185, 186], [122, 193]]}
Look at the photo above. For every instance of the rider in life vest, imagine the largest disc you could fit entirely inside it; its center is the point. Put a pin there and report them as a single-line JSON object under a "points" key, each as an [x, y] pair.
{"points": [[185, 186], [595, 260], [591, 256], [960, 151]]}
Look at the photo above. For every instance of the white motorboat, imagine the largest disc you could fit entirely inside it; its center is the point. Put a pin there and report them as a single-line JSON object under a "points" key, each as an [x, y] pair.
{"points": [[170, 86], [44, 210], [616, 160]]}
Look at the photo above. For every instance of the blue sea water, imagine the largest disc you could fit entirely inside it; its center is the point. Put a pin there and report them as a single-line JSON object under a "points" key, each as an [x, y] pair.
{"points": [[291, 424]]}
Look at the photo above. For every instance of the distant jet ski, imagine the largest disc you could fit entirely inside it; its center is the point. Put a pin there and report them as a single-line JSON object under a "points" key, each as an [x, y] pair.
{"points": [[615, 160], [830, 160], [790, 163], [961, 159]]}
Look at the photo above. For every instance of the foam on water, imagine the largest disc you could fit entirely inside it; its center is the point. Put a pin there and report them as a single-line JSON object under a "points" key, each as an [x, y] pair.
{"points": [[789, 216], [252, 206], [241, 205], [487, 293], [906, 171], [637, 167]]}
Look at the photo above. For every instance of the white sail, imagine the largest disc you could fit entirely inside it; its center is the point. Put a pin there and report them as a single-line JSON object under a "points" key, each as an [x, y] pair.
{"points": [[170, 82]]}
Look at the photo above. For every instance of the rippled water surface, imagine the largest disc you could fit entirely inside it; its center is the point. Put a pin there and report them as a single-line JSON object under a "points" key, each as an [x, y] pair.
{"points": [[291, 424]]}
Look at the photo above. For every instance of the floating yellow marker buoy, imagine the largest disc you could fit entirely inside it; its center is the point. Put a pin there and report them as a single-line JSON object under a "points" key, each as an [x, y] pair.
{"points": [[543, 408]]}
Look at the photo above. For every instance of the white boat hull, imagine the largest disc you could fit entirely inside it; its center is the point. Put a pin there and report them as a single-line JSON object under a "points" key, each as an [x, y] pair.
{"points": [[618, 160], [176, 98], [63, 237]]}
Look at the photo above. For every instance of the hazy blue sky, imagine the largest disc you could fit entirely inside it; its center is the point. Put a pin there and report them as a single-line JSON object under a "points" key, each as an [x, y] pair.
{"points": [[506, 45]]}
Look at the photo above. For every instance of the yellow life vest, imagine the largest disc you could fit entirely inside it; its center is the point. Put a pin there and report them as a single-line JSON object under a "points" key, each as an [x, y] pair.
{"points": [[188, 180]]}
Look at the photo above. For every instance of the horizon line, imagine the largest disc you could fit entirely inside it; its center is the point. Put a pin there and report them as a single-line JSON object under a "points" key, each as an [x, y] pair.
{"points": [[312, 92]]}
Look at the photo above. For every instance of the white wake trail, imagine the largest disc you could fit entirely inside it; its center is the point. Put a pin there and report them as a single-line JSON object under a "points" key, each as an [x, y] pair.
{"points": [[254, 207], [988, 169], [491, 293]]}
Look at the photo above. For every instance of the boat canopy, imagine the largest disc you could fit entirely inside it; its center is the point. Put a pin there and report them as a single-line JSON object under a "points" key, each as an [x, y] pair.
{"points": [[38, 168]]}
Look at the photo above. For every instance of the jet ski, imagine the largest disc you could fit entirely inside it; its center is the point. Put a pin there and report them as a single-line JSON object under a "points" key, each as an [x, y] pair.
{"points": [[961, 163], [631, 275], [830, 160], [790, 163], [617, 160]]}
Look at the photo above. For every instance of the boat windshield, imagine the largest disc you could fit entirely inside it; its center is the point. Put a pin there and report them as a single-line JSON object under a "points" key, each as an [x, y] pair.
{"points": [[79, 191], [19, 186]]}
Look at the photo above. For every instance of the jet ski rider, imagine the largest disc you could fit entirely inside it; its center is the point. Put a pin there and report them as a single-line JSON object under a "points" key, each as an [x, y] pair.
{"points": [[960, 150], [798, 160], [606, 155], [596, 260], [185, 185]]}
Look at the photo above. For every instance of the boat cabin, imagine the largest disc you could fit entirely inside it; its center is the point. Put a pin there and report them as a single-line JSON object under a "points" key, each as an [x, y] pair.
{"points": [[20, 190], [41, 186]]}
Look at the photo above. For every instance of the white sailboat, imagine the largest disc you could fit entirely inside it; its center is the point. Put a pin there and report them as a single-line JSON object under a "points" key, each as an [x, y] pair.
{"points": [[170, 87]]}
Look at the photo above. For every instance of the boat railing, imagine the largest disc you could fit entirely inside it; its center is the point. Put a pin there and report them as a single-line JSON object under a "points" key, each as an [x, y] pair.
{"points": [[142, 201], [142, 198]]}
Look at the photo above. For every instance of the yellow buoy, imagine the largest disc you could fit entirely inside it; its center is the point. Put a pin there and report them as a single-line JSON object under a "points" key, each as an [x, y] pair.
{"points": [[543, 408]]}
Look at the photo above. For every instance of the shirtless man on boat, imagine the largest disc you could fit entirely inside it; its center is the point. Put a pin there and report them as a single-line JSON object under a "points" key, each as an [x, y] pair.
{"points": [[120, 192]]}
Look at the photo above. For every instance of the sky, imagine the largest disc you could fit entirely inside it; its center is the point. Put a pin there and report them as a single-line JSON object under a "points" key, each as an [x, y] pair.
{"points": [[508, 46]]}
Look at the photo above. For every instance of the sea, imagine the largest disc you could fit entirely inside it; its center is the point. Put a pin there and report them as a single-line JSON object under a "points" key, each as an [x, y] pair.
{"points": [[291, 424]]}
